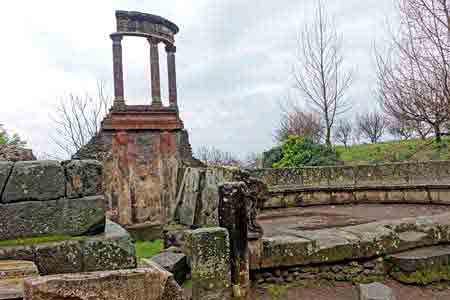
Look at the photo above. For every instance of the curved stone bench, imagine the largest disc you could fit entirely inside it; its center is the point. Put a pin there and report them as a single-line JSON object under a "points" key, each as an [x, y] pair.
{"points": [[299, 195], [303, 247]]}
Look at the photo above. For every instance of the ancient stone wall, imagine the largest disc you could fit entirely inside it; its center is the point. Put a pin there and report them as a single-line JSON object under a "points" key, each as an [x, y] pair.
{"points": [[412, 182], [141, 176], [39, 198], [15, 153], [141, 171], [53, 213], [392, 173]]}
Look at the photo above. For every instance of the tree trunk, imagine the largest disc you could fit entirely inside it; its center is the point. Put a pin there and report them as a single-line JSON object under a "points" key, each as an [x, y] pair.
{"points": [[328, 137], [437, 132]]}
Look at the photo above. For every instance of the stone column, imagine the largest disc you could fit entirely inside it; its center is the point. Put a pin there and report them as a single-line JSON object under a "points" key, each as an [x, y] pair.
{"points": [[233, 216], [154, 68], [172, 75], [119, 100]]}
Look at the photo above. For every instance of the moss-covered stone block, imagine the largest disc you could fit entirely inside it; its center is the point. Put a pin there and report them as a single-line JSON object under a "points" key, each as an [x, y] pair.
{"points": [[209, 249]]}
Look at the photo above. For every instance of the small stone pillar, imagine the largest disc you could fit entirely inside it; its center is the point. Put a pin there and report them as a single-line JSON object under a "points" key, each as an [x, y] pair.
{"points": [[209, 250], [119, 100], [155, 77], [233, 216], [172, 75]]}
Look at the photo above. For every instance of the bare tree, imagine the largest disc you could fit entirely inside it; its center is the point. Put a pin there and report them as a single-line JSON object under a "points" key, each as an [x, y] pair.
{"points": [[343, 132], [413, 79], [253, 161], [319, 71], [400, 128], [216, 157], [294, 121], [372, 125], [77, 119]]}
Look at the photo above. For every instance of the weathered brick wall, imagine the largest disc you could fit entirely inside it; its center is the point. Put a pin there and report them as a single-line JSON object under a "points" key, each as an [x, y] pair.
{"points": [[41, 198]]}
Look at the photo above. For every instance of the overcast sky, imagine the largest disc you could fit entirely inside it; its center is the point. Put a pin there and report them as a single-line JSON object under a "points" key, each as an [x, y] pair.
{"points": [[233, 61]]}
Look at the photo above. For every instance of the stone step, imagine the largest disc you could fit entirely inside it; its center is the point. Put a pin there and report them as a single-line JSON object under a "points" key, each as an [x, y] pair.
{"points": [[421, 266], [295, 247], [12, 275]]}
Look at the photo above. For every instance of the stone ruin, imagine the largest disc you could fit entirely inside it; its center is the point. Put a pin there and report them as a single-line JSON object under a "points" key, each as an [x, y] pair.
{"points": [[139, 173], [57, 218], [142, 146]]}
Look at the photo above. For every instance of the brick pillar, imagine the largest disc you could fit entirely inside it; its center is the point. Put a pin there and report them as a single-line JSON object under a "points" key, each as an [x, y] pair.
{"points": [[233, 216], [119, 100], [154, 67], [172, 75]]}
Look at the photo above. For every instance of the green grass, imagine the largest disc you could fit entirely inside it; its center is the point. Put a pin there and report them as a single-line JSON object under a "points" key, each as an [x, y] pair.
{"points": [[187, 284], [146, 249], [38, 240], [395, 151]]}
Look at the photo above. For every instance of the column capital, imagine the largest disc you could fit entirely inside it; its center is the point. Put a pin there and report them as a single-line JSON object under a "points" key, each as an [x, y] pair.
{"points": [[170, 48], [116, 37], [153, 41]]}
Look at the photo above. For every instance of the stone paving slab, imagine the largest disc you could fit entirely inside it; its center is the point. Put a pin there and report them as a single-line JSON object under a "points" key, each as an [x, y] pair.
{"points": [[352, 242]]}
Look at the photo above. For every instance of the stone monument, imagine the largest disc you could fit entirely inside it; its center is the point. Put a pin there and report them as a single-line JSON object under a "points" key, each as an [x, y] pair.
{"points": [[142, 146]]}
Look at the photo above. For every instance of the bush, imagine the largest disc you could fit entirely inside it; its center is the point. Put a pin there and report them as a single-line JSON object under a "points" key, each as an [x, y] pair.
{"points": [[301, 151], [272, 156], [6, 139]]}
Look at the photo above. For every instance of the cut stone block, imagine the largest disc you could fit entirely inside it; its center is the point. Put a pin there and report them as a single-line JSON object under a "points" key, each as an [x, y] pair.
{"points": [[83, 178], [71, 217], [5, 171], [300, 247], [150, 283], [10, 269], [114, 249], [421, 266], [175, 263], [35, 181], [209, 249], [12, 274], [375, 291]]}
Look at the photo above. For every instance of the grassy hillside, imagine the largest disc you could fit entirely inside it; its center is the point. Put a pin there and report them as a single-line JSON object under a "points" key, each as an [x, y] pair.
{"points": [[395, 151]]}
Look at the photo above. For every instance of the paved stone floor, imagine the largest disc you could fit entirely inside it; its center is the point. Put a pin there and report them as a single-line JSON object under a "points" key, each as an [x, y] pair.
{"points": [[347, 291], [319, 217]]}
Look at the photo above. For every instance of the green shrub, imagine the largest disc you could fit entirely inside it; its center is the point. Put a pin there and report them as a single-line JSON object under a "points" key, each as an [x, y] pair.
{"points": [[301, 151], [272, 156], [6, 139]]}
